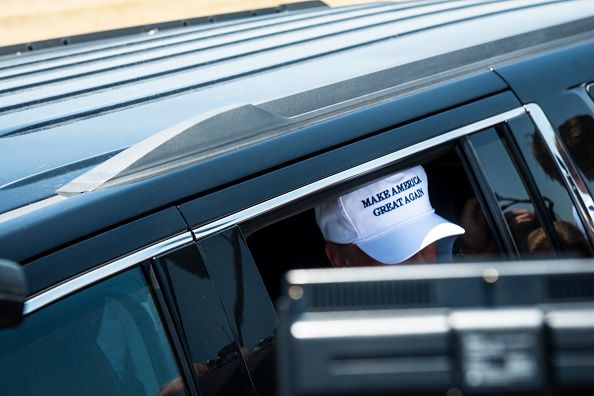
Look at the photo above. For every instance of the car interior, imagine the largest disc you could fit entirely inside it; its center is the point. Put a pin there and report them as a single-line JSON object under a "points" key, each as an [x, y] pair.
{"points": [[290, 238]]}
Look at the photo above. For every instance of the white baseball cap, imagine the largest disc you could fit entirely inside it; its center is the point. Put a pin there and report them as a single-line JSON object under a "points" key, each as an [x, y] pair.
{"points": [[389, 219]]}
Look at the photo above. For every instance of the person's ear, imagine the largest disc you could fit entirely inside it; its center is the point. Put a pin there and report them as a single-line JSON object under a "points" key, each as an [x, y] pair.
{"points": [[335, 255]]}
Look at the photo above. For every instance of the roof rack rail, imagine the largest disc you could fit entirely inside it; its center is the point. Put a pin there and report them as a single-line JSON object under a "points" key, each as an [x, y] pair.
{"points": [[196, 139], [203, 20]]}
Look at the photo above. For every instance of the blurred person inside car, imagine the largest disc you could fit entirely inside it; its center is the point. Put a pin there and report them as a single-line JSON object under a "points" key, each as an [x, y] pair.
{"points": [[577, 134]]}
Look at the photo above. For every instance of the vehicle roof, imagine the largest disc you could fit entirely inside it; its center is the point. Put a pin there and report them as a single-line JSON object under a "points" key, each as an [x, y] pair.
{"points": [[65, 110]]}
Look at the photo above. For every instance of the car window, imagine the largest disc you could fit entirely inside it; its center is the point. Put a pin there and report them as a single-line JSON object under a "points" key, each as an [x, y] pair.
{"points": [[104, 340], [297, 242], [249, 309], [559, 205], [514, 202], [577, 133], [217, 359]]}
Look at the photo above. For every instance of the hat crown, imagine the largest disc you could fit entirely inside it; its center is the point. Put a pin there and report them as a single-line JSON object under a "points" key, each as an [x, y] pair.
{"points": [[388, 203], [376, 207]]}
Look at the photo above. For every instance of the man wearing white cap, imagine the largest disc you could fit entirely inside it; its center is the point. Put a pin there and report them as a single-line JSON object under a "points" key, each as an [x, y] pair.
{"points": [[388, 221]]}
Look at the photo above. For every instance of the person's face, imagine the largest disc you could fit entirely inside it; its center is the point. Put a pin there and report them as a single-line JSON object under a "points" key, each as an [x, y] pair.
{"points": [[353, 256]]}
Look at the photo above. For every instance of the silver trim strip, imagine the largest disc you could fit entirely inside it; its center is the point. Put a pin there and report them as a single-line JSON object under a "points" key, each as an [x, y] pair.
{"points": [[573, 180], [369, 327], [79, 282], [491, 319], [571, 319], [438, 271], [13, 214], [360, 170]]}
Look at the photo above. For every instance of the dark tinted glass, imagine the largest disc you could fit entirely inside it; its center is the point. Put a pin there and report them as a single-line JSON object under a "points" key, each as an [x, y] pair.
{"points": [[105, 340], [577, 133], [512, 197], [244, 296], [217, 359], [560, 208]]}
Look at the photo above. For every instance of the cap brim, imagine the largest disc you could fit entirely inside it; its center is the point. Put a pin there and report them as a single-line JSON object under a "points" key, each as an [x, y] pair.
{"points": [[401, 243]]}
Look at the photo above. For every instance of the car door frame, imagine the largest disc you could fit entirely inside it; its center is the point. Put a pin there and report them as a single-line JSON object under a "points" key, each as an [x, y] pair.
{"points": [[453, 125]]}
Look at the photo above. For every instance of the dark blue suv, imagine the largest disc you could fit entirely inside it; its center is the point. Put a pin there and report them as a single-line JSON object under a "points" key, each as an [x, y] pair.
{"points": [[158, 181]]}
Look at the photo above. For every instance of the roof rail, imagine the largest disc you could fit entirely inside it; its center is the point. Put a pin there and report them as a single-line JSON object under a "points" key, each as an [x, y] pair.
{"points": [[196, 139], [83, 38]]}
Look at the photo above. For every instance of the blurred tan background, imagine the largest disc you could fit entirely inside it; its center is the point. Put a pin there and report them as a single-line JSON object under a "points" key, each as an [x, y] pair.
{"points": [[32, 20]]}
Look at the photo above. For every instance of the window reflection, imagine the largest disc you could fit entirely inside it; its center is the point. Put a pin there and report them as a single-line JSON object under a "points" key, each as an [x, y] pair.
{"points": [[104, 340], [218, 361], [578, 135], [566, 222], [243, 294], [573, 242], [511, 194]]}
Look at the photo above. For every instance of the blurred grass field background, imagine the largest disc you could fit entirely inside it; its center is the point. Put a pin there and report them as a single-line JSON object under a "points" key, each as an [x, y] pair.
{"points": [[23, 21]]}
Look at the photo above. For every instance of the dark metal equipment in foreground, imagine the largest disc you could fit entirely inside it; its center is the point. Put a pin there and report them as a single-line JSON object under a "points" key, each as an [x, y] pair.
{"points": [[517, 328]]}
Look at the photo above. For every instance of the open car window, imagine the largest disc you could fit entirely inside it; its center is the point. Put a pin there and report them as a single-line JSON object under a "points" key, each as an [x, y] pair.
{"points": [[479, 189]]}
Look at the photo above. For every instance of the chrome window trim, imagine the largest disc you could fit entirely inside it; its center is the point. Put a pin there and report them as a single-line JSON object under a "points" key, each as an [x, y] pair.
{"points": [[577, 318], [392, 323], [571, 176], [494, 319], [13, 214], [357, 171], [105, 271]]}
